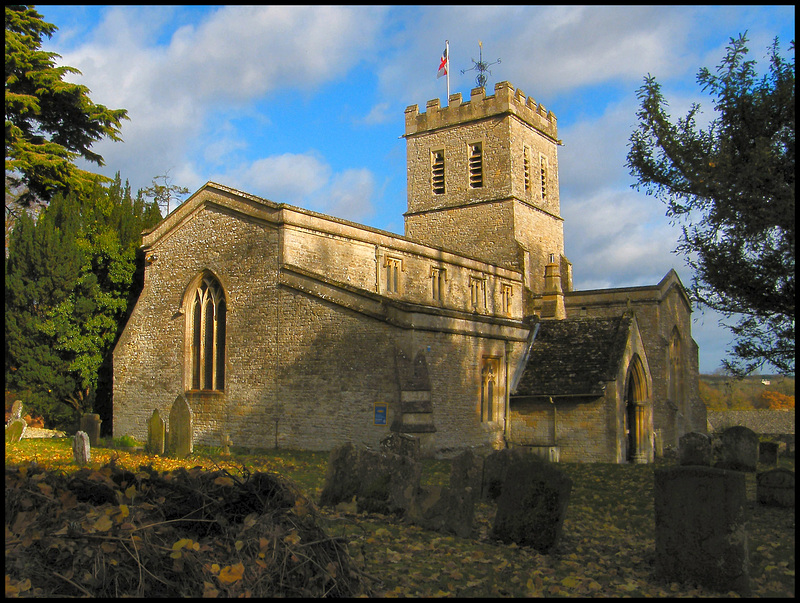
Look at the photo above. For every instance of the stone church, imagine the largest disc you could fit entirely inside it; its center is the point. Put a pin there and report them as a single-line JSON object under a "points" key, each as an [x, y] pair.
{"points": [[285, 327]]}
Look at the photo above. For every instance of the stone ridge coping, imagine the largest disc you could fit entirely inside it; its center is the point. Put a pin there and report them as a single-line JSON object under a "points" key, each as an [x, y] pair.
{"points": [[288, 215], [505, 100], [399, 313], [641, 293]]}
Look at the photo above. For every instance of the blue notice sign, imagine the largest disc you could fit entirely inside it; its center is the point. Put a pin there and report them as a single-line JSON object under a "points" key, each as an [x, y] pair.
{"points": [[380, 413]]}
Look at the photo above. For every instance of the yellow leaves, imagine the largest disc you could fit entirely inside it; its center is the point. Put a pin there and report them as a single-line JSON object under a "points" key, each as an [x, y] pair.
{"points": [[223, 480], [570, 582], [103, 524], [231, 573], [293, 538], [183, 543]]}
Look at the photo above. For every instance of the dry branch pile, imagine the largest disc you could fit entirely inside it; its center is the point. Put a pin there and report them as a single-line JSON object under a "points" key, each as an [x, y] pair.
{"points": [[113, 532]]}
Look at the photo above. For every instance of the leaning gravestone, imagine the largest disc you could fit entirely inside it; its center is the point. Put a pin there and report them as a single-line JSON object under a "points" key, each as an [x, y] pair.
{"points": [[156, 434], [402, 444], [739, 449], [466, 471], [90, 425], [775, 488], [495, 466], [81, 448], [694, 449], [532, 505], [15, 430], [701, 530], [180, 428]]}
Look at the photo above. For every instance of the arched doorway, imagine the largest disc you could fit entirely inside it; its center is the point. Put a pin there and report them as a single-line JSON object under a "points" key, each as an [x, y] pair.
{"points": [[637, 434]]}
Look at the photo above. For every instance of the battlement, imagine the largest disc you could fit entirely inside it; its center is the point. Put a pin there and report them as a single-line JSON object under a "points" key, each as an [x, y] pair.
{"points": [[505, 100]]}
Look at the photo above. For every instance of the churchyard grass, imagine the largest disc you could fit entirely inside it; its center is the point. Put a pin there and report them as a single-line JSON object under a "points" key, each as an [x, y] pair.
{"points": [[607, 546]]}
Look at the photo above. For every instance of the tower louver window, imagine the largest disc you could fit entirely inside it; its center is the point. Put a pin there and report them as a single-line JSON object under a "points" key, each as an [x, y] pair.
{"points": [[437, 172], [526, 167], [543, 161], [475, 165]]}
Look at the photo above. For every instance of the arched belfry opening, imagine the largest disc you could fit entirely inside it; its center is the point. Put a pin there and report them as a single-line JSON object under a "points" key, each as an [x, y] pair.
{"points": [[638, 433]]}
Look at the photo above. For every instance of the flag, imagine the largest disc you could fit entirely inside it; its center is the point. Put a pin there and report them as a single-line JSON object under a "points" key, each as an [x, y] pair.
{"points": [[444, 64]]}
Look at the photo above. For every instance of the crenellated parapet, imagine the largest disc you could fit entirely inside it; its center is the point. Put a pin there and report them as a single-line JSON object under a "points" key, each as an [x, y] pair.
{"points": [[505, 100]]}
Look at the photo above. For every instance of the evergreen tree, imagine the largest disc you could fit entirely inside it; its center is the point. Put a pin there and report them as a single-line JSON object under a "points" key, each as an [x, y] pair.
{"points": [[49, 122], [89, 284], [732, 186]]}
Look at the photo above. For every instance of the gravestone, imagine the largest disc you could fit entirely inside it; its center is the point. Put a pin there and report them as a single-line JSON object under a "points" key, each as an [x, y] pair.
{"points": [[466, 471], [381, 482], [532, 505], [16, 411], [90, 425], [694, 449], [81, 448], [180, 428], [701, 530], [226, 442], [775, 488], [768, 453], [738, 449], [443, 509], [156, 434], [495, 466], [402, 444], [15, 430]]}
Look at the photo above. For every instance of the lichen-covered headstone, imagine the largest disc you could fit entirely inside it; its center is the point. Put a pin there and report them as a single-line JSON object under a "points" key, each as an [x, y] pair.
{"points": [[694, 449], [775, 488], [16, 411], [701, 529], [81, 448], [739, 449], [768, 453], [532, 504], [180, 428], [156, 434], [226, 442], [15, 430], [90, 424]]}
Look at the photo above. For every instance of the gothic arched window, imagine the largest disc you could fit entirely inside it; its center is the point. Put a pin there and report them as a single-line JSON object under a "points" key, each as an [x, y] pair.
{"points": [[207, 327]]}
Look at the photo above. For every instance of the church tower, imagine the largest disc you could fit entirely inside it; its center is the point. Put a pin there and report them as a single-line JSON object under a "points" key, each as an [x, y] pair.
{"points": [[483, 182]]}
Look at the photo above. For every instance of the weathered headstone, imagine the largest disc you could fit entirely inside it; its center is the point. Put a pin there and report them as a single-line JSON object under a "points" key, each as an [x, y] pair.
{"points": [[768, 453], [381, 482], [156, 434], [90, 425], [701, 530], [739, 449], [532, 505], [226, 442], [16, 411], [15, 430], [180, 428], [402, 444], [81, 448], [443, 509], [694, 449], [466, 471], [495, 466], [775, 488]]}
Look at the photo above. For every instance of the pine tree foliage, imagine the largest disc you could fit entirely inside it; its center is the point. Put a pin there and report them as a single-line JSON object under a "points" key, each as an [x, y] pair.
{"points": [[731, 186], [71, 280], [49, 122]]}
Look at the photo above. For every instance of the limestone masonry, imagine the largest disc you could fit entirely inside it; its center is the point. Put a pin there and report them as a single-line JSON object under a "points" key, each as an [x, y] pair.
{"points": [[285, 327]]}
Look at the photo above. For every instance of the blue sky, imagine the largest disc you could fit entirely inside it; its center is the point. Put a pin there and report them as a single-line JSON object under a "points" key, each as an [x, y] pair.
{"points": [[305, 105]]}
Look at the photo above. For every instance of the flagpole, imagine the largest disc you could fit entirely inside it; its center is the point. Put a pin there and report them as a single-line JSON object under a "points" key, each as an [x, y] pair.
{"points": [[447, 47]]}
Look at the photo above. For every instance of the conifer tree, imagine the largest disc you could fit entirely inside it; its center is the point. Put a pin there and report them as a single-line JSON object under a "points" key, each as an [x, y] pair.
{"points": [[731, 186], [49, 122]]}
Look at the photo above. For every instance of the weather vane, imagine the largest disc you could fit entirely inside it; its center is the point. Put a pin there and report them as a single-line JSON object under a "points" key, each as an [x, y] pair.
{"points": [[480, 67]]}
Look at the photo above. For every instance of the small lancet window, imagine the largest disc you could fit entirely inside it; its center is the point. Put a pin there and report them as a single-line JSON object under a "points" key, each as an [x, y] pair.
{"points": [[437, 172], [475, 165], [208, 317]]}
